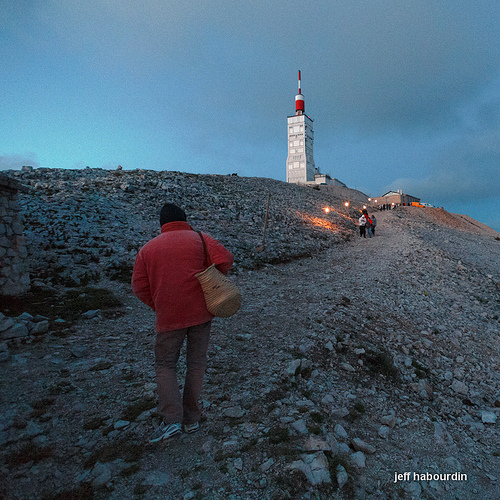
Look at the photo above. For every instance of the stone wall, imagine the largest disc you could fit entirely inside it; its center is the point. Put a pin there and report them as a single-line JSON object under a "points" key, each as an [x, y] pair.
{"points": [[14, 275]]}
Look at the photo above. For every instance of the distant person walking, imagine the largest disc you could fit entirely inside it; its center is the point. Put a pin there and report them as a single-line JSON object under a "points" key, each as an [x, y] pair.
{"points": [[164, 278], [368, 225], [374, 224], [362, 226]]}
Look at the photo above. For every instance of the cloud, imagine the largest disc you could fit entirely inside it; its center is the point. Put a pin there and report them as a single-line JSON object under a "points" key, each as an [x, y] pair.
{"points": [[113, 33], [411, 63], [466, 171], [16, 162], [222, 74], [367, 64]]}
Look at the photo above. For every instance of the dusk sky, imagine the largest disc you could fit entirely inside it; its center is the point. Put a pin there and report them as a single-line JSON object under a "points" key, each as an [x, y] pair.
{"points": [[404, 94]]}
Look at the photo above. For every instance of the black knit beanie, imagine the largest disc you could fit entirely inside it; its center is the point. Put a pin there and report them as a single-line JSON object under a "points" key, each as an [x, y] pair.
{"points": [[171, 213]]}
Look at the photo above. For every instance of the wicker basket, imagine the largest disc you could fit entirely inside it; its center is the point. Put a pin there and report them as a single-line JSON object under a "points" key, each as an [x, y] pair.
{"points": [[222, 296]]}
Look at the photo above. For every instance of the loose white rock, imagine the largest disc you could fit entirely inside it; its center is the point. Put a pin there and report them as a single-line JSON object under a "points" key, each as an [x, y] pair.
{"points": [[358, 459], [340, 431], [342, 476], [488, 417], [360, 445]]}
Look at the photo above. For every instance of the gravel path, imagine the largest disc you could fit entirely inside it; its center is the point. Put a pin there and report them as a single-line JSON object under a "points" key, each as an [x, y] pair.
{"points": [[378, 357]]}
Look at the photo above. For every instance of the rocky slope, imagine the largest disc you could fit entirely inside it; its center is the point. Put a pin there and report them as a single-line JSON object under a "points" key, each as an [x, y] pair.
{"points": [[361, 360], [85, 224]]}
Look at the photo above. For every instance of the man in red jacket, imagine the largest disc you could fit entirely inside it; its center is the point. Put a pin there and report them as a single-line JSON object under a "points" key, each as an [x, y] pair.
{"points": [[164, 278]]}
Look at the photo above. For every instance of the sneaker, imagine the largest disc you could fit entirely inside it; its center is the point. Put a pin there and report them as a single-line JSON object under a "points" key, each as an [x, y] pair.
{"points": [[190, 428], [165, 431]]}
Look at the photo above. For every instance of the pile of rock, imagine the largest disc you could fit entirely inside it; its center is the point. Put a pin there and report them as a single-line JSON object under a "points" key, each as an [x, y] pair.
{"points": [[18, 329], [22, 326], [82, 225]]}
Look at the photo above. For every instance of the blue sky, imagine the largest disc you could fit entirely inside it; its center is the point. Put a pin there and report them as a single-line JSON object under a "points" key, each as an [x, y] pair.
{"points": [[403, 94]]}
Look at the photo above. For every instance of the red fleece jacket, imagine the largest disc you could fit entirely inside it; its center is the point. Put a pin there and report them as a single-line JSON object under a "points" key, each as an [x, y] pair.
{"points": [[165, 271]]}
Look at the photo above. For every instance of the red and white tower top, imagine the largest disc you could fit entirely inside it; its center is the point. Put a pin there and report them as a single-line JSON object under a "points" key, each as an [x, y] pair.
{"points": [[299, 101]]}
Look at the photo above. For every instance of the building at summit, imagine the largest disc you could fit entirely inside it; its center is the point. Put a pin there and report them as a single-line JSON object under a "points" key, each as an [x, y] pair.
{"points": [[300, 166]]}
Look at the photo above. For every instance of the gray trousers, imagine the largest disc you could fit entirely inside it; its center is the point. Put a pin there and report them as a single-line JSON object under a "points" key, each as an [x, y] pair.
{"points": [[172, 407]]}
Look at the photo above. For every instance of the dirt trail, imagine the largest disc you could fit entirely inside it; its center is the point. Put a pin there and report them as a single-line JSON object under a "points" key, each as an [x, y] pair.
{"points": [[396, 340]]}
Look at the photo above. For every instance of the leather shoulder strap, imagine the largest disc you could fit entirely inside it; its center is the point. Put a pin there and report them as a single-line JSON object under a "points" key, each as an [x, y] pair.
{"points": [[207, 256]]}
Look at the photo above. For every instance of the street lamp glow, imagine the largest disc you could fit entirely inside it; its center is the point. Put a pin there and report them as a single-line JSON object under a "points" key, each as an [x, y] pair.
{"points": [[326, 209], [346, 203]]}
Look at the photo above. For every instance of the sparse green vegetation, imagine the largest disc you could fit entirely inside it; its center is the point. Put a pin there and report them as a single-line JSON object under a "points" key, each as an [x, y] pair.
{"points": [[279, 435], [359, 407], [251, 443], [335, 461], [94, 423], [80, 300], [121, 273], [122, 448], [101, 365], [83, 492], [140, 490], [61, 387], [420, 370], [29, 452], [135, 409], [128, 375], [130, 470], [41, 406], [381, 363], [294, 483], [317, 417], [68, 305], [315, 429]]}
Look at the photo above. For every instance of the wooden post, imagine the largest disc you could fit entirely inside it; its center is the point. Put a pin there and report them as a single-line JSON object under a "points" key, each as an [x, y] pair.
{"points": [[265, 220]]}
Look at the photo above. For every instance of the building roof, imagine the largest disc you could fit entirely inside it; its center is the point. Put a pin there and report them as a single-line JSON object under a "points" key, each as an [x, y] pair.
{"points": [[401, 195]]}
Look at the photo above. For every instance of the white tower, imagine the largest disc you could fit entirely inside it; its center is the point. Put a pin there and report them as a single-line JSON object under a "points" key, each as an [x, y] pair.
{"points": [[300, 167]]}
